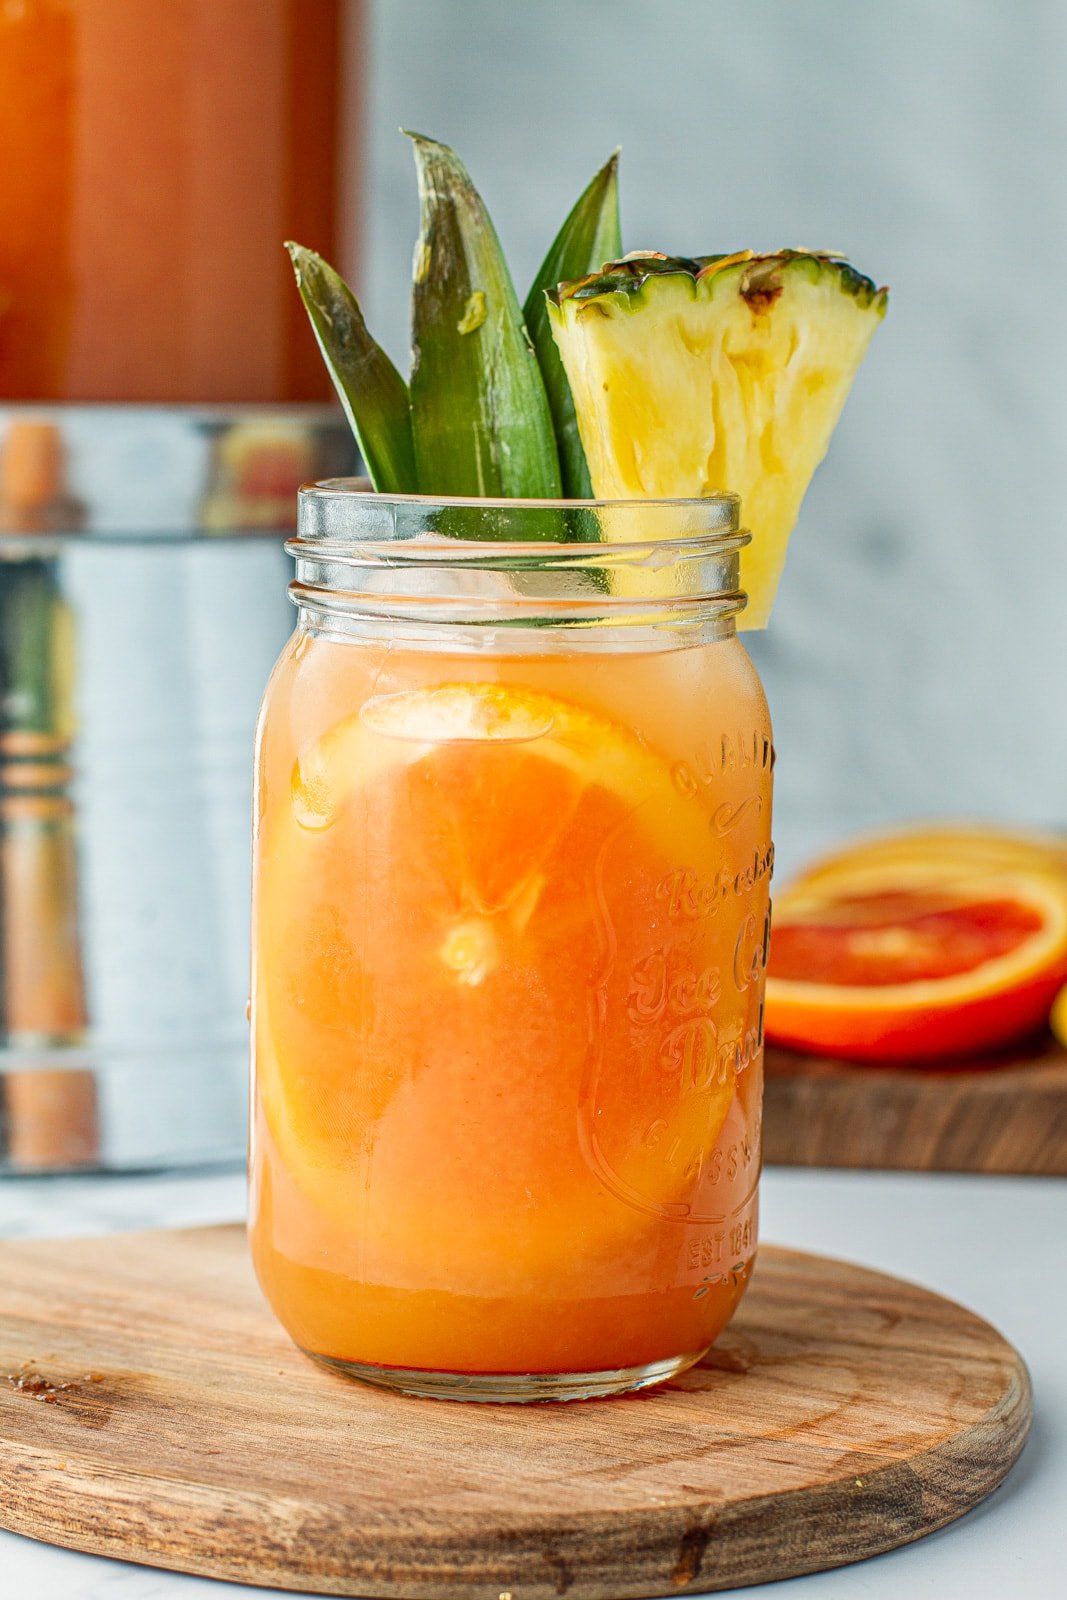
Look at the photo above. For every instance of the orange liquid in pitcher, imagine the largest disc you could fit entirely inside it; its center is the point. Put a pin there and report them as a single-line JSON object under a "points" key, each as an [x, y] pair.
{"points": [[154, 154], [510, 930]]}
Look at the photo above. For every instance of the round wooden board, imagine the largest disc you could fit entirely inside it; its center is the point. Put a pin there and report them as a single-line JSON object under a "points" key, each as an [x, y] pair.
{"points": [[1006, 1114], [151, 1409]]}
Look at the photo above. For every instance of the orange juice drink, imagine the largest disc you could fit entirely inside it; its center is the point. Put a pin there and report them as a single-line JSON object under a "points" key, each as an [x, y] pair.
{"points": [[512, 860]]}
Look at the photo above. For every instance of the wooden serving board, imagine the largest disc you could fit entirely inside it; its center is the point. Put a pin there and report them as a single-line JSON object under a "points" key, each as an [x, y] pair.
{"points": [[151, 1409], [1008, 1114]]}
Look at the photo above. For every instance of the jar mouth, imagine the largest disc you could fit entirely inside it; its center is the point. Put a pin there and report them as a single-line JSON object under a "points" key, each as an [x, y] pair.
{"points": [[725, 504], [516, 562]]}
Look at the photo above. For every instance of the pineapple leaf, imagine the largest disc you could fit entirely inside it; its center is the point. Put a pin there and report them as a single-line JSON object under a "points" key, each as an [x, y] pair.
{"points": [[480, 416], [371, 390], [588, 238]]}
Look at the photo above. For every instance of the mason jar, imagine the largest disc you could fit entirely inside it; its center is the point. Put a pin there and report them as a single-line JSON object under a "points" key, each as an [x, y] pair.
{"points": [[511, 866]]}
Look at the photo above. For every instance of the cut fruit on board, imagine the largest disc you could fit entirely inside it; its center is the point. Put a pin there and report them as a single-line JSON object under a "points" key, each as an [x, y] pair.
{"points": [[939, 850], [915, 960]]}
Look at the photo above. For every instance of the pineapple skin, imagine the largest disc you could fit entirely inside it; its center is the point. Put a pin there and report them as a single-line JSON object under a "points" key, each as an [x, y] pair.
{"points": [[727, 372], [761, 274]]}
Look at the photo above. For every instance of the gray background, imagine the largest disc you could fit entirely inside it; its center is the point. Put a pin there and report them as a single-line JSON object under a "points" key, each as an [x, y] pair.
{"points": [[915, 661]]}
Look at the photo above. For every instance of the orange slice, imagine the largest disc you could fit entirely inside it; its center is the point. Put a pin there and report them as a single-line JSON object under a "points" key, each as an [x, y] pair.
{"points": [[915, 963], [939, 850], [464, 927]]}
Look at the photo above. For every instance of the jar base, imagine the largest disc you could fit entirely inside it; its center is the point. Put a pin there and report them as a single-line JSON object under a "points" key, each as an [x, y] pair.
{"points": [[511, 1388]]}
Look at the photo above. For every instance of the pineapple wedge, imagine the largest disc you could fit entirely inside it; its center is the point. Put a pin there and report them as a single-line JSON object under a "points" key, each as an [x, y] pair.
{"points": [[723, 373]]}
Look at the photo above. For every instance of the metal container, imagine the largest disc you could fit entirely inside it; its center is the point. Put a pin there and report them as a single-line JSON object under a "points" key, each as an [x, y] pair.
{"points": [[142, 604]]}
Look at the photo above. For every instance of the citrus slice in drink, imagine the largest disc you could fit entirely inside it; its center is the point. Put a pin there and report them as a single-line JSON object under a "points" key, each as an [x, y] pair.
{"points": [[915, 964], [465, 915]]}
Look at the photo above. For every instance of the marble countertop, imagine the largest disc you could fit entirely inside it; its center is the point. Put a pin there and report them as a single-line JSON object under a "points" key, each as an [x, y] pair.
{"points": [[996, 1244]]}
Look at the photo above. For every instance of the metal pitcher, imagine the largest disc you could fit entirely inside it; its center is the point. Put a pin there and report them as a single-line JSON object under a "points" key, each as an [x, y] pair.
{"points": [[142, 583]]}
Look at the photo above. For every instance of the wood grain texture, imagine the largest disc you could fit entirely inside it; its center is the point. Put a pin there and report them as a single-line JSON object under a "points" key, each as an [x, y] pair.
{"points": [[1006, 1115], [151, 1409]]}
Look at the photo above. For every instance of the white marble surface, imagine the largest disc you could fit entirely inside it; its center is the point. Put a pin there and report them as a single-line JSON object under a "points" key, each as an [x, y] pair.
{"points": [[995, 1244]]}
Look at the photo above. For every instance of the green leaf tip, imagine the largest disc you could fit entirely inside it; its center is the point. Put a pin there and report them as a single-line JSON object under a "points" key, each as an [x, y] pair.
{"points": [[371, 391], [481, 422], [590, 236]]}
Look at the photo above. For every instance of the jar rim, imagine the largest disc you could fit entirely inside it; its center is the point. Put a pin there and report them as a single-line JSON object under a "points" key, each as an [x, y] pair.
{"points": [[531, 563], [360, 490], [348, 516]]}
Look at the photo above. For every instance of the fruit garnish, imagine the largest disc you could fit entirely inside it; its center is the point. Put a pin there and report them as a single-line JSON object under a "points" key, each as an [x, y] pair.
{"points": [[525, 923], [479, 412], [371, 391], [650, 377], [590, 235], [919, 948], [720, 373]]}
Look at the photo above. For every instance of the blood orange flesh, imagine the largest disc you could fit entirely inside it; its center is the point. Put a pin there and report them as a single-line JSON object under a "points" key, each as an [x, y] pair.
{"points": [[883, 940], [916, 972]]}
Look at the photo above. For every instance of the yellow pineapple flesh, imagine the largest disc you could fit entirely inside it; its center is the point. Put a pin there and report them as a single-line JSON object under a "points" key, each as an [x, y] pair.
{"points": [[724, 373]]}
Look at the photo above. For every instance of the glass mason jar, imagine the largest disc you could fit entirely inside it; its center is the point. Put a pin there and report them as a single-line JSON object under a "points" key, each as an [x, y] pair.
{"points": [[510, 919]]}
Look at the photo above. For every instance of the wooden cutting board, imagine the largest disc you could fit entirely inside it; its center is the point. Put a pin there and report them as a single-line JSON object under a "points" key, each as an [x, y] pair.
{"points": [[1008, 1114], [151, 1409]]}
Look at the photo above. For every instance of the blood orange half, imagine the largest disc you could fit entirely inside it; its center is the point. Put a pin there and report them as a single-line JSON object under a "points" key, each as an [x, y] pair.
{"points": [[900, 965]]}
